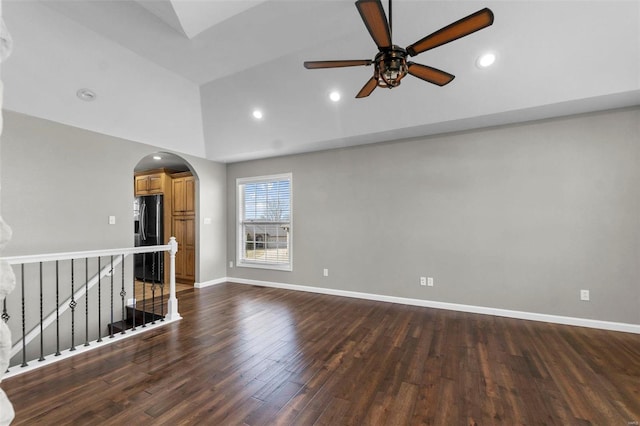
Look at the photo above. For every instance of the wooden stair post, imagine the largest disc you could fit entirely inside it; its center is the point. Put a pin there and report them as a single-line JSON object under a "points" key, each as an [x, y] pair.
{"points": [[172, 304]]}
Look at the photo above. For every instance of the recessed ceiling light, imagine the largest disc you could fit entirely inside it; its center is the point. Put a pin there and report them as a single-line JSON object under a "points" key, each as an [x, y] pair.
{"points": [[157, 157], [257, 114], [87, 95], [334, 96], [486, 60]]}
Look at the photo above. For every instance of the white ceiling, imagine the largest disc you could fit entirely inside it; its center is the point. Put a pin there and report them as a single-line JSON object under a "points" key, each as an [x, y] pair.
{"points": [[186, 75]]}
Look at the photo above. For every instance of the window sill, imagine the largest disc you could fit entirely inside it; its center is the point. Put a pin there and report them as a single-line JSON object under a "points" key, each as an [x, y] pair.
{"points": [[274, 267]]}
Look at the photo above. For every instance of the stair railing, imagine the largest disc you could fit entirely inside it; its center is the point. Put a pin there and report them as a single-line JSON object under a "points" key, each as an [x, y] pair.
{"points": [[52, 289]]}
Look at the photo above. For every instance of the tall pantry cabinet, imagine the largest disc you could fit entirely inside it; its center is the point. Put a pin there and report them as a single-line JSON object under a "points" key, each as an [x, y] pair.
{"points": [[183, 221]]}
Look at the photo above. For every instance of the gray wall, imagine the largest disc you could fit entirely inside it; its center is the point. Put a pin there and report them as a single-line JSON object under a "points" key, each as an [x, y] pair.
{"points": [[519, 217], [211, 203], [60, 184]]}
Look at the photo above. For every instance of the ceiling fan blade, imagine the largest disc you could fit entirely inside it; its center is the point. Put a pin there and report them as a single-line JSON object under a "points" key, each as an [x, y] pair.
{"points": [[375, 20], [336, 64], [432, 75], [368, 88], [465, 26]]}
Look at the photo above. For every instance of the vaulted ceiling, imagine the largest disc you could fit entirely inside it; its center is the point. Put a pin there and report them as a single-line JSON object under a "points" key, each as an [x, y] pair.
{"points": [[185, 75]]}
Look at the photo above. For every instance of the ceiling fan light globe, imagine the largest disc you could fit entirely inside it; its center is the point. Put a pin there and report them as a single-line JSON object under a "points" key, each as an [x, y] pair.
{"points": [[391, 66], [393, 70], [392, 79]]}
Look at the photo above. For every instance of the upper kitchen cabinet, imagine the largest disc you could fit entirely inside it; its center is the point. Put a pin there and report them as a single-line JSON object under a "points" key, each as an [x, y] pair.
{"points": [[151, 182], [183, 194]]}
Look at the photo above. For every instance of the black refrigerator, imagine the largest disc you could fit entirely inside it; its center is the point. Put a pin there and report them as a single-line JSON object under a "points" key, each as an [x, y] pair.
{"points": [[147, 221]]}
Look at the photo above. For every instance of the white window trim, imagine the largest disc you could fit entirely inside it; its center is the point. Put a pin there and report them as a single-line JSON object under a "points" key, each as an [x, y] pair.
{"points": [[240, 262]]}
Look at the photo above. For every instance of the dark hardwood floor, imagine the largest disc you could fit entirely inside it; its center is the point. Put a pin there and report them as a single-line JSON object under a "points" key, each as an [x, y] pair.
{"points": [[146, 293], [252, 355]]}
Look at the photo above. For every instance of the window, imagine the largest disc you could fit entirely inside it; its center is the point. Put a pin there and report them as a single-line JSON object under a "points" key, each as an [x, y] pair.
{"points": [[264, 222]]}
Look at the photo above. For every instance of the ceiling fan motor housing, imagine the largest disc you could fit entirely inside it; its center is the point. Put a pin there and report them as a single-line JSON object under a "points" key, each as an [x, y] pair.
{"points": [[391, 66]]}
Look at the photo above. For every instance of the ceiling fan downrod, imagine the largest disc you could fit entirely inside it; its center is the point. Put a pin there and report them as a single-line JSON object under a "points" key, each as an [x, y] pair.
{"points": [[390, 21]]}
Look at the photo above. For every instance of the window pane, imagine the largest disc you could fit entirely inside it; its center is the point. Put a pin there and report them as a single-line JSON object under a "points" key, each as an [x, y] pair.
{"points": [[267, 201]]}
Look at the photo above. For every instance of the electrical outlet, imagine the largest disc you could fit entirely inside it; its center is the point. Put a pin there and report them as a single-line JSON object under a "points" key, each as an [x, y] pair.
{"points": [[430, 281], [325, 272], [423, 281], [584, 295], [112, 220], [231, 264]]}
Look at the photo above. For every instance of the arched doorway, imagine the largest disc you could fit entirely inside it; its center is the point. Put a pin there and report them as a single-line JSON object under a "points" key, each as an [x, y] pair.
{"points": [[170, 182]]}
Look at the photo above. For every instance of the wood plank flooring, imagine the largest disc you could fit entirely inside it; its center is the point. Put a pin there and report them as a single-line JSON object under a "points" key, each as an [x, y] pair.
{"points": [[246, 355], [143, 290]]}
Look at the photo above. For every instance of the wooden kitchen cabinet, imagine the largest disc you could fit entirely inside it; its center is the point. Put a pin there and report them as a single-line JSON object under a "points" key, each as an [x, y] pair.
{"points": [[153, 183], [185, 233], [183, 214], [183, 189]]}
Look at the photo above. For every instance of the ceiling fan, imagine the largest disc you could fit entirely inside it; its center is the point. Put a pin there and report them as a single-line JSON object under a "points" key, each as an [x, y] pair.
{"points": [[390, 64]]}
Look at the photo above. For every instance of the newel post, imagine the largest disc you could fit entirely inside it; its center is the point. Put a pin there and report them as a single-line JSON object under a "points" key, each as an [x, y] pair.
{"points": [[172, 305]]}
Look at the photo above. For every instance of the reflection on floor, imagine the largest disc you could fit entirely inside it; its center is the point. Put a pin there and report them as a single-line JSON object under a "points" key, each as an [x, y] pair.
{"points": [[147, 292]]}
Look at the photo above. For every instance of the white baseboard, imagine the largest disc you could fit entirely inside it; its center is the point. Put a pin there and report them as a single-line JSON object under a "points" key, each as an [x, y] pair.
{"points": [[211, 282], [532, 316]]}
